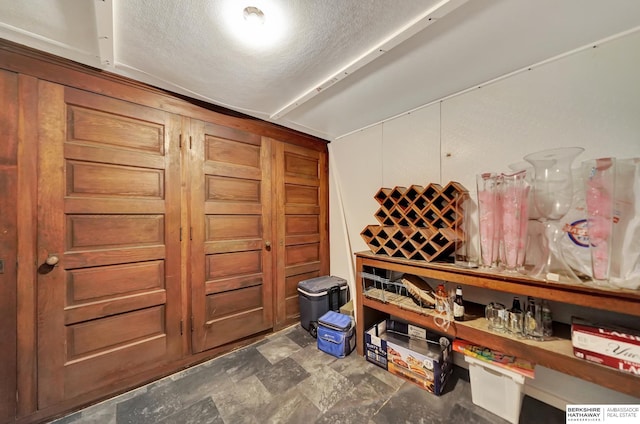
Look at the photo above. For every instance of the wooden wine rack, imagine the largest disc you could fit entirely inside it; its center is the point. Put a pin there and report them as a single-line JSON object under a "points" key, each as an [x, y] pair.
{"points": [[416, 222]]}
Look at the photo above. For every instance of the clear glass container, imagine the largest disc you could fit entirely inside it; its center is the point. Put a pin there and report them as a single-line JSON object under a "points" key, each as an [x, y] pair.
{"points": [[599, 176], [553, 196], [488, 219]]}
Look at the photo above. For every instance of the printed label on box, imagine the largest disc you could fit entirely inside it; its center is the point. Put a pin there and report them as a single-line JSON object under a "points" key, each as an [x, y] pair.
{"points": [[610, 352], [417, 332]]}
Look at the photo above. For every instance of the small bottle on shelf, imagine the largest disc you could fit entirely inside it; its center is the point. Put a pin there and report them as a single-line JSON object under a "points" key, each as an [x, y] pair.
{"points": [[458, 305], [515, 307], [441, 299]]}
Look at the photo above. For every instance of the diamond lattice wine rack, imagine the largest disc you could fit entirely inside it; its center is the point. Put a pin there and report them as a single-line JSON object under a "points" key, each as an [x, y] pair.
{"points": [[416, 222]]}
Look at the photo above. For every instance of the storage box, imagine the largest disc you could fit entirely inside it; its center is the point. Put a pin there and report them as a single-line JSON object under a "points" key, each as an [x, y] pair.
{"points": [[347, 308], [319, 295], [496, 389], [411, 352], [613, 346], [336, 334]]}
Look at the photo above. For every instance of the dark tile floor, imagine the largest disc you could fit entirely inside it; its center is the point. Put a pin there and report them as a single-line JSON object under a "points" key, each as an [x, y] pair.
{"points": [[286, 379]]}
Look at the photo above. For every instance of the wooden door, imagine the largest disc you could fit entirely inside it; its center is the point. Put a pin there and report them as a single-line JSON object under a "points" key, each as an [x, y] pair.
{"points": [[109, 215], [303, 223], [9, 99], [231, 260]]}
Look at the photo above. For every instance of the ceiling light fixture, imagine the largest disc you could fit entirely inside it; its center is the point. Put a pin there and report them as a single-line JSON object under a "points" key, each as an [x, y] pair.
{"points": [[246, 21], [253, 15]]}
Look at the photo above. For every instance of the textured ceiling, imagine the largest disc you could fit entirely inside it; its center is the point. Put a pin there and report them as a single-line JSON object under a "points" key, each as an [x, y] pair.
{"points": [[330, 67]]}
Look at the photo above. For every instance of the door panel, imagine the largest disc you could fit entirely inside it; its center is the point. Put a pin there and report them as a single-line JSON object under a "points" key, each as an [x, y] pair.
{"points": [[231, 263], [109, 210], [11, 108], [303, 247]]}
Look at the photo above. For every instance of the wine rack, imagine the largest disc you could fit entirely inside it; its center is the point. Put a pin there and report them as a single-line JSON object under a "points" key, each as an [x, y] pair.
{"points": [[416, 222]]}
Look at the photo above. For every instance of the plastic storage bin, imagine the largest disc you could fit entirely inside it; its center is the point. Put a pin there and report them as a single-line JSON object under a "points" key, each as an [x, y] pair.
{"points": [[495, 389], [336, 334], [319, 295]]}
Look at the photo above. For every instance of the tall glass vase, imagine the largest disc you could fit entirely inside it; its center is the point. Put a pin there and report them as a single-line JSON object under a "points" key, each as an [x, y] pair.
{"points": [[489, 223], [514, 200], [552, 196], [599, 175]]}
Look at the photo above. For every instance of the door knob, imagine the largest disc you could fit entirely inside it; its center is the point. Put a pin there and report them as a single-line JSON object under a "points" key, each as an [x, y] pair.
{"points": [[267, 244], [52, 260]]}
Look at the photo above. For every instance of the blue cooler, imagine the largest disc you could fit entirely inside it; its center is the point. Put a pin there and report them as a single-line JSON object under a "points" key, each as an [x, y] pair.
{"points": [[336, 334]]}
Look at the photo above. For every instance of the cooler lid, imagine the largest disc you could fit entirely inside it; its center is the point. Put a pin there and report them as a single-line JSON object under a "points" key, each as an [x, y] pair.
{"points": [[335, 320], [321, 284]]}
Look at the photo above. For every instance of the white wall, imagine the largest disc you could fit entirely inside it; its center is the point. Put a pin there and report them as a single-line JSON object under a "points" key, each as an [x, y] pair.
{"points": [[590, 99]]}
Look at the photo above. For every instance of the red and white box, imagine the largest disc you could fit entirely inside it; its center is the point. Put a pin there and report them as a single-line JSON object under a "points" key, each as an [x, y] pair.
{"points": [[615, 347]]}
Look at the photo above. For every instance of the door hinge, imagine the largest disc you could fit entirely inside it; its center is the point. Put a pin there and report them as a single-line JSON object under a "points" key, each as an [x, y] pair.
{"points": [[181, 324], [190, 233], [192, 323], [180, 233], [190, 142], [180, 141]]}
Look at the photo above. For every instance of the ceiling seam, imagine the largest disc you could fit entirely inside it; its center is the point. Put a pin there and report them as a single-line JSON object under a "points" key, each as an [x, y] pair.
{"points": [[425, 19], [560, 56]]}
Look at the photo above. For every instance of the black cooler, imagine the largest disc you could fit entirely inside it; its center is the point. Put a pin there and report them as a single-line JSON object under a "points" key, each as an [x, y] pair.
{"points": [[319, 295]]}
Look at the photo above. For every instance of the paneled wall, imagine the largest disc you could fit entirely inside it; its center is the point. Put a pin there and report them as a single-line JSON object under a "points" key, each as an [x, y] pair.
{"points": [[590, 98]]}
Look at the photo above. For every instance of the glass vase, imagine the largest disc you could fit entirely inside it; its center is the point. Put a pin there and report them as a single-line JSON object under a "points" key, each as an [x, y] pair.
{"points": [[514, 200], [599, 177], [553, 196], [488, 219]]}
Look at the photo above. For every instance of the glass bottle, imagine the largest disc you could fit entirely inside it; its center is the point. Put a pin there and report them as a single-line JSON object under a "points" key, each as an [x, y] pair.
{"points": [[458, 305], [515, 307], [441, 299], [547, 320]]}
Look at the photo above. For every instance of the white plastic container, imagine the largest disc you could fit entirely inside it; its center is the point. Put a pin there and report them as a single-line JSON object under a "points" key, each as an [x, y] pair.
{"points": [[496, 389]]}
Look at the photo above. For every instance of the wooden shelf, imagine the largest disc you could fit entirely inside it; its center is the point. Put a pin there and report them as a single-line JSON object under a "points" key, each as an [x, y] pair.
{"points": [[556, 354]]}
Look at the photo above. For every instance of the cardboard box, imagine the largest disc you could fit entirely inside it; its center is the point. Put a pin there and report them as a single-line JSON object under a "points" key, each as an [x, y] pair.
{"points": [[347, 308], [411, 352], [613, 346], [495, 357]]}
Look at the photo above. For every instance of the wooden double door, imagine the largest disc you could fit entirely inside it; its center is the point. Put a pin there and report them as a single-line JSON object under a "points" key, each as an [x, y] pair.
{"points": [[160, 236]]}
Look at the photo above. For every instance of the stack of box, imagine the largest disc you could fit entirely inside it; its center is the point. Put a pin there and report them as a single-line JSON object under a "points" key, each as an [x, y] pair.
{"points": [[605, 344], [411, 352]]}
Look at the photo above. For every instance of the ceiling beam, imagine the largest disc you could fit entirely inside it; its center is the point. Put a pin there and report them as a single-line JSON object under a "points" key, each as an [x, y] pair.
{"points": [[104, 32], [423, 20]]}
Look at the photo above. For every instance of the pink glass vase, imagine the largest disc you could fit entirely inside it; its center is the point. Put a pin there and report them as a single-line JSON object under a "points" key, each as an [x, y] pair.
{"points": [[514, 200], [599, 175], [488, 219]]}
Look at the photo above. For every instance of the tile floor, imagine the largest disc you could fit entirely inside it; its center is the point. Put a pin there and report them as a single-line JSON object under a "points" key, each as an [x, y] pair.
{"points": [[286, 379]]}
